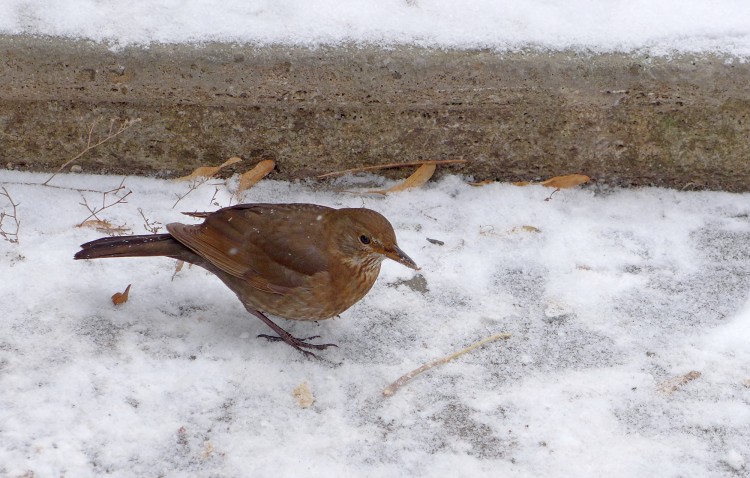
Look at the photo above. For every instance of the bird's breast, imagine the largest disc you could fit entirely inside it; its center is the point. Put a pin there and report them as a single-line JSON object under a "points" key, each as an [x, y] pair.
{"points": [[325, 294]]}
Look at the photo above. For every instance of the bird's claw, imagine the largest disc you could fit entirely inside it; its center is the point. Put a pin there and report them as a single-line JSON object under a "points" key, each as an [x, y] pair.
{"points": [[299, 343]]}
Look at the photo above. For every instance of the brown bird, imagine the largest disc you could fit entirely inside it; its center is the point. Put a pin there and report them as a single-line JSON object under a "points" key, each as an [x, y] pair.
{"points": [[296, 261]]}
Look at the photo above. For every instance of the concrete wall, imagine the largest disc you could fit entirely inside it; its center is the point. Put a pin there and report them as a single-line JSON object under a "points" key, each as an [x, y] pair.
{"points": [[626, 120]]}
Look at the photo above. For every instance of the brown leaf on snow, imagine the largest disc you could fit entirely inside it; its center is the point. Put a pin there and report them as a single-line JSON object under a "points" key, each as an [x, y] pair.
{"points": [[419, 178], [672, 385], [177, 268], [208, 171], [121, 297], [482, 183], [96, 224], [261, 170], [392, 165], [518, 229], [567, 181], [559, 182]]}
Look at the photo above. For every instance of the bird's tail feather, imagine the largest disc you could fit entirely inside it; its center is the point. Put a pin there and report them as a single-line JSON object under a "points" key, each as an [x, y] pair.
{"points": [[147, 245]]}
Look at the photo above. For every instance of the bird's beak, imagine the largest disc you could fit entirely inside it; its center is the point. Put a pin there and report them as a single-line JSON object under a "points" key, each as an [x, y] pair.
{"points": [[400, 256]]}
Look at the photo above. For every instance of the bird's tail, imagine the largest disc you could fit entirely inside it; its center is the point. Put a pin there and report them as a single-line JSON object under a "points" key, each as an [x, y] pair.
{"points": [[134, 246]]}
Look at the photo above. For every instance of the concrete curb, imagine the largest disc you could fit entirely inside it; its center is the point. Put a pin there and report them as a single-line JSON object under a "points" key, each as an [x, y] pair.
{"points": [[624, 120]]}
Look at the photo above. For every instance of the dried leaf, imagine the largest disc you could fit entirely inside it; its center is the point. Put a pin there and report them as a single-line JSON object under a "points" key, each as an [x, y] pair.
{"points": [[482, 183], [261, 170], [208, 171], [671, 385], [303, 395], [559, 182], [565, 182], [178, 268], [121, 297], [518, 229], [420, 176], [392, 165], [96, 224]]}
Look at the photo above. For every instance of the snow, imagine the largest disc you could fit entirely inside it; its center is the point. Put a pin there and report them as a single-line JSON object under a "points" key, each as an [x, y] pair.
{"points": [[657, 27], [619, 293]]}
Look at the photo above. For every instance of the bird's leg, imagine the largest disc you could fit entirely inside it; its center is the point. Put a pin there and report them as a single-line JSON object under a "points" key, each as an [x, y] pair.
{"points": [[297, 343]]}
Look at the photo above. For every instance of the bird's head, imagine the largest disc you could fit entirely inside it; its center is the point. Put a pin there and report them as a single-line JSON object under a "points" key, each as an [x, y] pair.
{"points": [[366, 238]]}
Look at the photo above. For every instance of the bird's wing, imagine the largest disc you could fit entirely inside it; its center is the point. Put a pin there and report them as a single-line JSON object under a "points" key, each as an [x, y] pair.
{"points": [[275, 248]]}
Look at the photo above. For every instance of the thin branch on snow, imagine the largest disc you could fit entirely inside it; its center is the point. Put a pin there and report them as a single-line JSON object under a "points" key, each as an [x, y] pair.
{"points": [[151, 226], [194, 184], [392, 388], [10, 236], [106, 202]]}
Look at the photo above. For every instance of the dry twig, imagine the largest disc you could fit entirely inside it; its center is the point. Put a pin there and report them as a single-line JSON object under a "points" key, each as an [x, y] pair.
{"points": [[391, 165], [9, 236], [91, 145], [64, 188], [96, 210], [549, 198], [194, 184], [151, 226], [106, 227], [392, 388], [213, 201]]}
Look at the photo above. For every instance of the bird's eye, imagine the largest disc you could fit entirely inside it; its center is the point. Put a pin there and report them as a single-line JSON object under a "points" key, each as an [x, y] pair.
{"points": [[364, 239]]}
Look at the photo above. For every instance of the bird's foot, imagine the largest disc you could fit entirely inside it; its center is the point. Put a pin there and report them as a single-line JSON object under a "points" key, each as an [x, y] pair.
{"points": [[284, 336], [299, 343]]}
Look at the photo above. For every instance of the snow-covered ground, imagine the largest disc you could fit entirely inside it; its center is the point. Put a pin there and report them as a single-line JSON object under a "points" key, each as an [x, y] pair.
{"points": [[656, 27], [628, 313]]}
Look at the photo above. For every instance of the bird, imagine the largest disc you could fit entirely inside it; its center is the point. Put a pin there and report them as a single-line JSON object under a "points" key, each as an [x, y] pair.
{"points": [[294, 261]]}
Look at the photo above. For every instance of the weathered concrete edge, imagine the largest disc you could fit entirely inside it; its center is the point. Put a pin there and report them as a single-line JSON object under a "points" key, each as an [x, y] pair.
{"points": [[626, 120]]}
